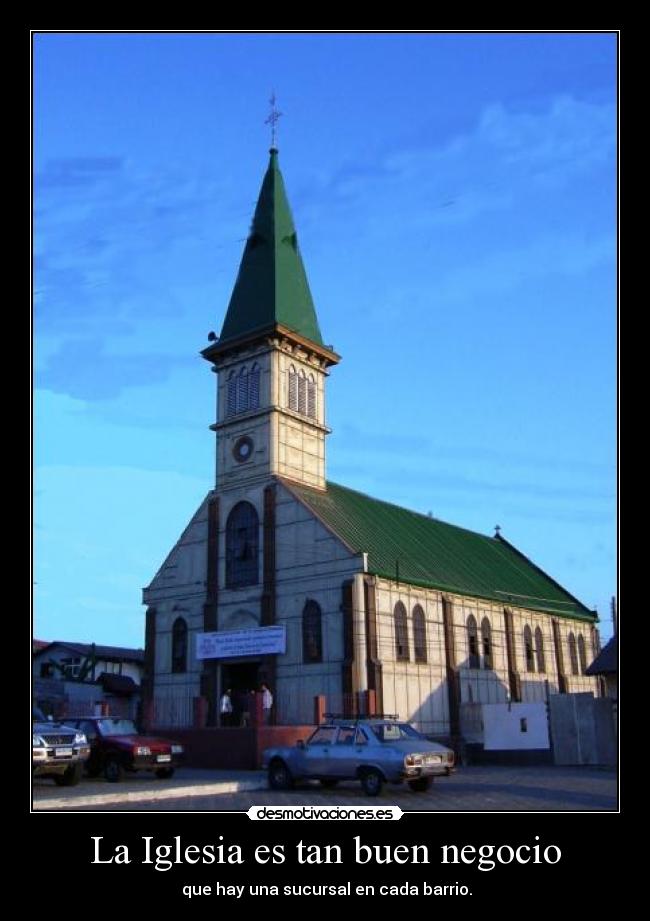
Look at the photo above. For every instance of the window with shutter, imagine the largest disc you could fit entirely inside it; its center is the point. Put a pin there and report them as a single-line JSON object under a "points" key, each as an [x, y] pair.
{"points": [[179, 646], [401, 633], [528, 649], [293, 389], [242, 391], [254, 388], [473, 660], [231, 403], [486, 642], [539, 649], [582, 654], [311, 397], [302, 393], [242, 542], [419, 635], [312, 634]]}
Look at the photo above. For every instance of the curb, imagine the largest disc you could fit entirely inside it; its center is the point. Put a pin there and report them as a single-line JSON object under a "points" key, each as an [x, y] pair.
{"points": [[134, 796]]}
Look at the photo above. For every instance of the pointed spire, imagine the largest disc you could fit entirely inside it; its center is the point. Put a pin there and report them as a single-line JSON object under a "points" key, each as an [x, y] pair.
{"points": [[271, 288]]}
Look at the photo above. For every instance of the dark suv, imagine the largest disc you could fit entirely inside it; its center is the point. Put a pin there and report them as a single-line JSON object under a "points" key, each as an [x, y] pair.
{"points": [[116, 746], [58, 749]]}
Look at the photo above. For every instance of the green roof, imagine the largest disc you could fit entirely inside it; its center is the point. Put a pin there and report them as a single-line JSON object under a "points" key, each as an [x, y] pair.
{"points": [[271, 287], [420, 550]]}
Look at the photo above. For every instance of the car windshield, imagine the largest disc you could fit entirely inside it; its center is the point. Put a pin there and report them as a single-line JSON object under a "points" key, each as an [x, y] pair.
{"points": [[395, 732], [109, 727]]}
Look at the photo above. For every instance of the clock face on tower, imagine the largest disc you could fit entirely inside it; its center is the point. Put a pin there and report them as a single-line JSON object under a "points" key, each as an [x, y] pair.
{"points": [[243, 449]]}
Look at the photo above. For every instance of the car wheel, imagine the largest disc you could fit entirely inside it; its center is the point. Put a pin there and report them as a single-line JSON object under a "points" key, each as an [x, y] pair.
{"points": [[279, 776], [70, 777], [113, 770], [421, 785], [372, 782], [328, 782], [165, 773]]}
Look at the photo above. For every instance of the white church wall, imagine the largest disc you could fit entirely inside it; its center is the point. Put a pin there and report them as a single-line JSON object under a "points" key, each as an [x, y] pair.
{"points": [[419, 692], [178, 590], [580, 682], [487, 684], [311, 564], [414, 691]]}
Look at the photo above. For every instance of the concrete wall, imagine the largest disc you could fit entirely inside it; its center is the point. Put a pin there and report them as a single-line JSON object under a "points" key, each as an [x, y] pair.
{"points": [[518, 726], [582, 729]]}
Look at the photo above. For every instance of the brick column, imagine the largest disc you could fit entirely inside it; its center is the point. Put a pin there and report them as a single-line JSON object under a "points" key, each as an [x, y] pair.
{"points": [[208, 680], [563, 683], [514, 679], [453, 681], [373, 663]]}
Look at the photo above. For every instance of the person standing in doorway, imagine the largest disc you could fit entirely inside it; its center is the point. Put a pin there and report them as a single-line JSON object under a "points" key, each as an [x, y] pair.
{"points": [[267, 703], [225, 707]]}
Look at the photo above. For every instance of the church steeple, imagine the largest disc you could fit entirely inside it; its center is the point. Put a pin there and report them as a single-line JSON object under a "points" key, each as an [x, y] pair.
{"points": [[270, 358], [271, 289]]}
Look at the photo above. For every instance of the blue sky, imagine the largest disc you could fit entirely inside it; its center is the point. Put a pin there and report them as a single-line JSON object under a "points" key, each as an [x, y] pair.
{"points": [[455, 200]]}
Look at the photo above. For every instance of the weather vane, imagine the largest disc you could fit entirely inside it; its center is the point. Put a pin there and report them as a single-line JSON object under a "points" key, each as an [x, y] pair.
{"points": [[272, 120]]}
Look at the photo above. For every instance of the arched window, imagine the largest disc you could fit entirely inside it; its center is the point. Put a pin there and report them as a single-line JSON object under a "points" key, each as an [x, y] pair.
{"points": [[231, 403], [528, 649], [582, 654], [486, 642], [293, 389], [302, 393], [539, 649], [401, 633], [179, 646], [312, 633], [472, 643], [242, 391], [242, 540], [573, 655], [311, 397], [254, 387], [419, 635]]}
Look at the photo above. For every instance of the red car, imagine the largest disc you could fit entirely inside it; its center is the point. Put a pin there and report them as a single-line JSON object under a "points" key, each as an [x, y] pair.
{"points": [[116, 746]]}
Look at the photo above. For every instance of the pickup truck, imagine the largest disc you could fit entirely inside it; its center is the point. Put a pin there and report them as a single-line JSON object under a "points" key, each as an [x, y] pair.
{"points": [[58, 751]]}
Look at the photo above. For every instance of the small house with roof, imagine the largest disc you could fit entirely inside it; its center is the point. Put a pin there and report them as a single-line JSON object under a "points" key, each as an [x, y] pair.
{"points": [[80, 678]]}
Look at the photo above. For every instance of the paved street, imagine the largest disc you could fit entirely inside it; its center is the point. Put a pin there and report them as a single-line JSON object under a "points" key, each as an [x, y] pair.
{"points": [[480, 789]]}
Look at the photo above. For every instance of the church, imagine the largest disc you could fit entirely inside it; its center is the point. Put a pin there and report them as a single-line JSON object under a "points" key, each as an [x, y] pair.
{"points": [[318, 590]]}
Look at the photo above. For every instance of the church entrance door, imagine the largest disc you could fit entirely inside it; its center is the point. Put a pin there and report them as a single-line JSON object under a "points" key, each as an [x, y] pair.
{"points": [[242, 678]]}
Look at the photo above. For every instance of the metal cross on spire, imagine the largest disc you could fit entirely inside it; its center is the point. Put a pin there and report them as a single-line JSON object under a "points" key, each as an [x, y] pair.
{"points": [[272, 120]]}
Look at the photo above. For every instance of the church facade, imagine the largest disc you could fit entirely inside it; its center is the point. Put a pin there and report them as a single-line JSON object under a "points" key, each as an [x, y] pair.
{"points": [[376, 606]]}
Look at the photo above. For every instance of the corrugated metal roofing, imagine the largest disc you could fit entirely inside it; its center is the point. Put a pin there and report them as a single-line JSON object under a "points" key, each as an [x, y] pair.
{"points": [[415, 548]]}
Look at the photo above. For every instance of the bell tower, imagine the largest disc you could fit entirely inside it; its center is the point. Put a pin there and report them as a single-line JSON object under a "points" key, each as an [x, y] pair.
{"points": [[270, 358]]}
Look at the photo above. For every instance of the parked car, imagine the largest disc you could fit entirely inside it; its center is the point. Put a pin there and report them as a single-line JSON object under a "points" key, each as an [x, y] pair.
{"points": [[116, 746], [59, 750], [373, 750]]}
